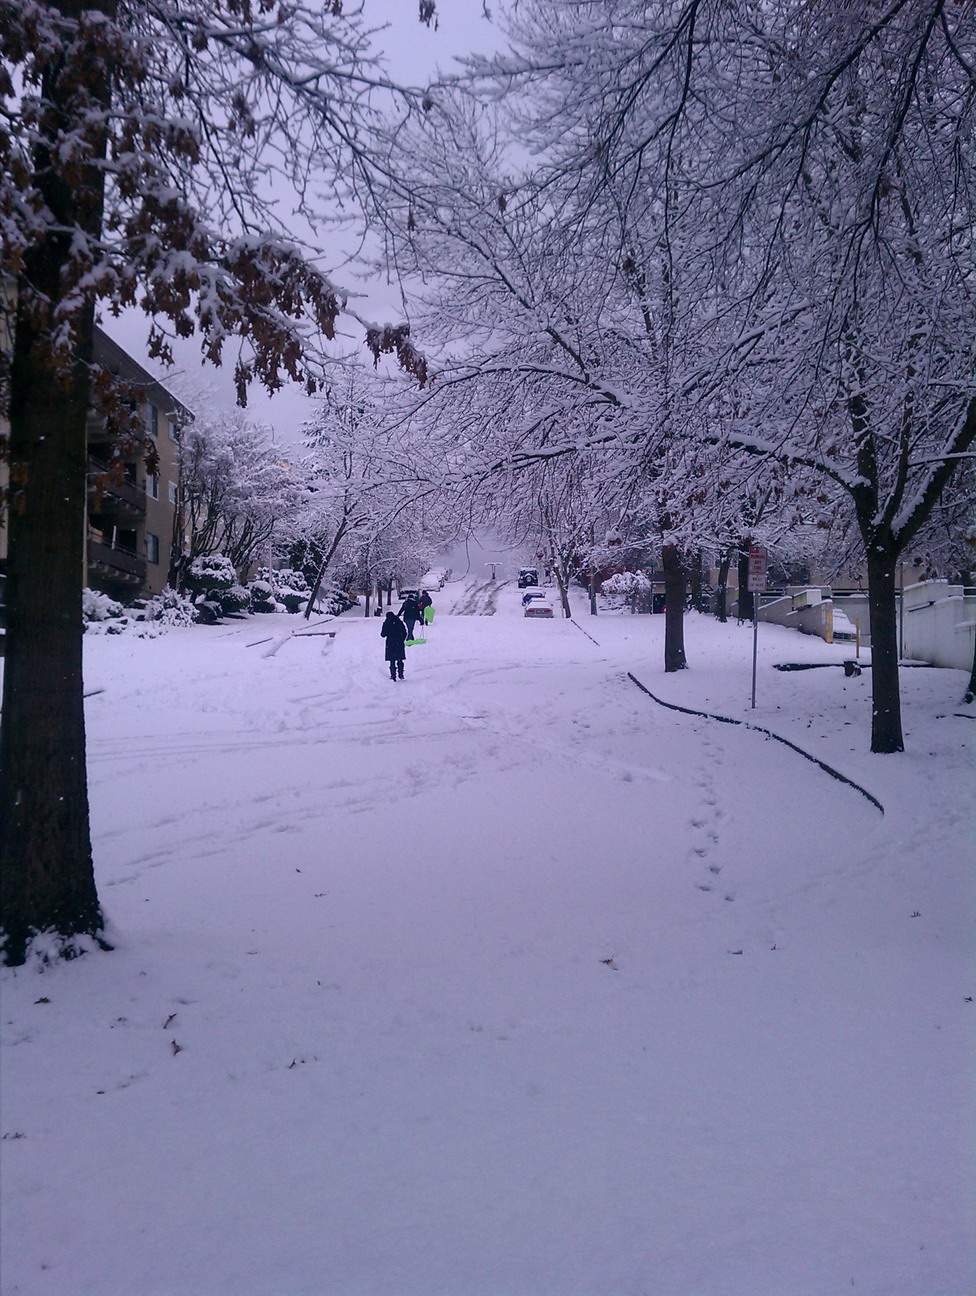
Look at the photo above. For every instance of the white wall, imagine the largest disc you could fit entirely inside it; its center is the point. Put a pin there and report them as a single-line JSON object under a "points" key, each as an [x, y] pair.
{"points": [[939, 624]]}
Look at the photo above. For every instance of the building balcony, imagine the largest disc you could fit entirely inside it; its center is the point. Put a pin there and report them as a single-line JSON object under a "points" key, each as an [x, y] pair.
{"points": [[116, 563], [113, 497]]}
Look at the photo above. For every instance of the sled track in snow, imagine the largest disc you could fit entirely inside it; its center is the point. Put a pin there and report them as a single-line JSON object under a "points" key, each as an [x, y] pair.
{"points": [[707, 715], [480, 600]]}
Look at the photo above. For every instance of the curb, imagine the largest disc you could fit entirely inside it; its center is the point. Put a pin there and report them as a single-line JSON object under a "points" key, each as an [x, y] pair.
{"points": [[828, 769]]}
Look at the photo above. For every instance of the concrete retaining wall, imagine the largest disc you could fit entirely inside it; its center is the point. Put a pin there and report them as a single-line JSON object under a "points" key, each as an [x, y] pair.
{"points": [[939, 624]]}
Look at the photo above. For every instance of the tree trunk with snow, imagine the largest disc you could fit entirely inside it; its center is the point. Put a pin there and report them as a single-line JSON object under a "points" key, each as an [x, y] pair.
{"points": [[970, 694], [674, 609], [699, 589], [562, 582], [744, 599], [45, 843], [886, 729], [721, 594]]}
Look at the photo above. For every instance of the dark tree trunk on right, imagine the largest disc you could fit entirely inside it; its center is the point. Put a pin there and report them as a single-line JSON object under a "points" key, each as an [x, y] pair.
{"points": [[721, 594], [970, 694], [886, 730], [745, 596], [674, 609]]}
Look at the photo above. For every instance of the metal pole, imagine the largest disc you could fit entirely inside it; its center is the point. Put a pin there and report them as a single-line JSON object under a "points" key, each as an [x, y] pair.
{"points": [[755, 642]]}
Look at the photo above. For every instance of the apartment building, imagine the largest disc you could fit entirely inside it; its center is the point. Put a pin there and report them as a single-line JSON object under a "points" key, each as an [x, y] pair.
{"points": [[131, 521]]}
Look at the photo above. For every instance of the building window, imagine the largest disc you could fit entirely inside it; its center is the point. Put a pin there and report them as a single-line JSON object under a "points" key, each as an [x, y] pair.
{"points": [[152, 547], [152, 485], [171, 492], [152, 420], [172, 428]]}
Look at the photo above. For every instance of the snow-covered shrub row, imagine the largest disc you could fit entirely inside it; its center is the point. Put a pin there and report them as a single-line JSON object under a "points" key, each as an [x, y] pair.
{"points": [[334, 601], [169, 608], [626, 587], [104, 615], [96, 606], [280, 590]]}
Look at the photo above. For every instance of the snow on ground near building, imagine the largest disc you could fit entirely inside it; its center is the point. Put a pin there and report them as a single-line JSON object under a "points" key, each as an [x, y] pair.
{"points": [[505, 980]]}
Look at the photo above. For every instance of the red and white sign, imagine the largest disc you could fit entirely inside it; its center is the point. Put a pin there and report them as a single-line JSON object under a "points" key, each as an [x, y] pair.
{"points": [[758, 565]]}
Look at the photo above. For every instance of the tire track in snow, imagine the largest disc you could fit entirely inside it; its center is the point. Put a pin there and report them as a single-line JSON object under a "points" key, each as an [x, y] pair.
{"points": [[479, 600]]}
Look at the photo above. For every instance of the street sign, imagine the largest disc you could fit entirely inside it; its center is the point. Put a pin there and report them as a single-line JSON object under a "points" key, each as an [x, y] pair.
{"points": [[758, 566]]}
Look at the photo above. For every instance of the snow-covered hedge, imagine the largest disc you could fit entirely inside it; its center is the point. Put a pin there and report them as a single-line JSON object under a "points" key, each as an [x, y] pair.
{"points": [[235, 599], [211, 573], [627, 588], [96, 606], [280, 590], [101, 614], [147, 619], [334, 601], [169, 608], [262, 596], [288, 577]]}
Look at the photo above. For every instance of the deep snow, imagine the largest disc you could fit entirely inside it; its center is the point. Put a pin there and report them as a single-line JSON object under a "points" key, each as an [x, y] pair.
{"points": [[502, 981]]}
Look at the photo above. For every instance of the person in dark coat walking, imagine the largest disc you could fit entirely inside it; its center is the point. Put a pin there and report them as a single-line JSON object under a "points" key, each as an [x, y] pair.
{"points": [[411, 613], [395, 633]]}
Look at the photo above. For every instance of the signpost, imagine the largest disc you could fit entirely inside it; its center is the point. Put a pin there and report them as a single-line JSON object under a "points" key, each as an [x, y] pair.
{"points": [[758, 566]]}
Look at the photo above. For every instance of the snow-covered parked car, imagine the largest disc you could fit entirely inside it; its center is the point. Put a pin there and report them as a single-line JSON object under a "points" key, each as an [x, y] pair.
{"points": [[843, 627], [539, 607], [533, 592]]}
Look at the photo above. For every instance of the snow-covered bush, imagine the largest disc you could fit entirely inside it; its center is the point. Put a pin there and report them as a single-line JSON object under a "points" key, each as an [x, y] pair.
{"points": [[145, 618], [334, 601], [288, 577], [235, 599], [262, 596], [629, 589], [211, 573], [292, 599], [169, 608], [279, 590], [101, 614], [96, 606]]}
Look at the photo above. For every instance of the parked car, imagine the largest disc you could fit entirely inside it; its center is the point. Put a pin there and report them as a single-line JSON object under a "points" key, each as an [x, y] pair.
{"points": [[528, 576], [539, 607], [532, 593]]}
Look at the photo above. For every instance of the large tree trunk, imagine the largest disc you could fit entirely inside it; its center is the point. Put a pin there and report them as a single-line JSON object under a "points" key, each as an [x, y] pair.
{"points": [[970, 694], [48, 881], [886, 731], [45, 846], [744, 607], [674, 609], [721, 594], [562, 582], [696, 578]]}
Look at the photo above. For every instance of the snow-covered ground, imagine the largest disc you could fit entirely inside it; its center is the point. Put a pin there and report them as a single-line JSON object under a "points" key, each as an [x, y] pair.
{"points": [[505, 980]]}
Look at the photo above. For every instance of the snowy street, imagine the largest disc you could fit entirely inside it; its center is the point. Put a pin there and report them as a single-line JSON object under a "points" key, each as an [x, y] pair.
{"points": [[503, 980]]}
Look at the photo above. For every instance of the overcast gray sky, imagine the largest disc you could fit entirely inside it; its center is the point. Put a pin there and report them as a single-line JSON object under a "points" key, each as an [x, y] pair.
{"points": [[413, 55]]}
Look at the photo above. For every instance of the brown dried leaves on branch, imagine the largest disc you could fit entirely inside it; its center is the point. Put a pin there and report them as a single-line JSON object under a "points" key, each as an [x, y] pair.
{"points": [[394, 339]]}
